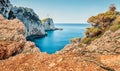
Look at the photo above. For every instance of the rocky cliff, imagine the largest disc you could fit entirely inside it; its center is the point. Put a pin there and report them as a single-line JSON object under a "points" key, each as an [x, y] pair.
{"points": [[5, 8], [26, 15], [48, 24], [31, 21]]}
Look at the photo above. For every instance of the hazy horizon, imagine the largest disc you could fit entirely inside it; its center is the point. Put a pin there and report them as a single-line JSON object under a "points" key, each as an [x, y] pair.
{"points": [[67, 11]]}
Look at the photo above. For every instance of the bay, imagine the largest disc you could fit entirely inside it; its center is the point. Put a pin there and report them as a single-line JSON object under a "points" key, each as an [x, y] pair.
{"points": [[56, 40]]}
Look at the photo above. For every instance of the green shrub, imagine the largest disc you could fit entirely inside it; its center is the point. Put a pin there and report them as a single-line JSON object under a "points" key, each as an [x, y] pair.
{"points": [[109, 20], [87, 40], [115, 27], [93, 31]]}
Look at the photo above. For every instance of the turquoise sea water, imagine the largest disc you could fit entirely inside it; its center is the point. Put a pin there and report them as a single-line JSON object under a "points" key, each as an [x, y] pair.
{"points": [[56, 40]]}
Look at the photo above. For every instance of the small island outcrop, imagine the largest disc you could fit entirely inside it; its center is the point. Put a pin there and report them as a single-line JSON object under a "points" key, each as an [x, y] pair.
{"points": [[48, 24]]}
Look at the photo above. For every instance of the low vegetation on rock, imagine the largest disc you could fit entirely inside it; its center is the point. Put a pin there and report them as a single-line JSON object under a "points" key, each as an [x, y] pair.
{"points": [[44, 20], [109, 20]]}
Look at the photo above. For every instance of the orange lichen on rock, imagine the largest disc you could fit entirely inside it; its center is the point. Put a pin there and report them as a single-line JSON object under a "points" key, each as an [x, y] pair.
{"points": [[12, 37]]}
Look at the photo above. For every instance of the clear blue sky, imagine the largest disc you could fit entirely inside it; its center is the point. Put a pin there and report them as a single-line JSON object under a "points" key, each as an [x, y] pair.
{"points": [[67, 10]]}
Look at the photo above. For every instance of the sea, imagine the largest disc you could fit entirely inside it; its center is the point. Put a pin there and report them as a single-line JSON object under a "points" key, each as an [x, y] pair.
{"points": [[56, 40]]}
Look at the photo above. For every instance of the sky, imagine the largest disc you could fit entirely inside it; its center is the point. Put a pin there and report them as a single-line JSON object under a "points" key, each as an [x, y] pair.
{"points": [[67, 11]]}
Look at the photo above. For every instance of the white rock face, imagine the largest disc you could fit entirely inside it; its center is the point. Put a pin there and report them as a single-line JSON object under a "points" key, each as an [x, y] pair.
{"points": [[26, 15], [5, 8], [48, 24], [30, 19]]}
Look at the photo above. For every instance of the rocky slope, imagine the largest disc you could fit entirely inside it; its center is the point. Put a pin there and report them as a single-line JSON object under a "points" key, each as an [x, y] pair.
{"points": [[26, 15], [48, 24], [71, 58], [12, 38]]}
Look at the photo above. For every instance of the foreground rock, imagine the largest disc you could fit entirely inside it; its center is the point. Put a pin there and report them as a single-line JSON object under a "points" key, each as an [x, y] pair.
{"points": [[12, 38], [103, 52]]}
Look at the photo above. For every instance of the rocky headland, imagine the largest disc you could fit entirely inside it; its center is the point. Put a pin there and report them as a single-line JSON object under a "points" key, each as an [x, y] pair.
{"points": [[99, 50], [30, 19], [48, 24]]}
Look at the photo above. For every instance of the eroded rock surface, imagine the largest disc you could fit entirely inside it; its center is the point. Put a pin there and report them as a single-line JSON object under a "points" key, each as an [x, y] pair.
{"points": [[48, 24], [31, 21], [12, 38]]}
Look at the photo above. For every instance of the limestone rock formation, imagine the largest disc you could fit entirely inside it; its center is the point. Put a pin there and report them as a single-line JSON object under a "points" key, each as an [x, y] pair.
{"points": [[48, 24], [5, 8], [30, 19], [26, 15]]}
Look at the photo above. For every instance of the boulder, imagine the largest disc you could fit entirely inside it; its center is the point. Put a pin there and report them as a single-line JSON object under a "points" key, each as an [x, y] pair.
{"points": [[12, 39]]}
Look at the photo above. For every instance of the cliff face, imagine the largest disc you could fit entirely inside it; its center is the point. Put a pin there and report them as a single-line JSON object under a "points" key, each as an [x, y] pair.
{"points": [[30, 19], [5, 8], [48, 24], [27, 16]]}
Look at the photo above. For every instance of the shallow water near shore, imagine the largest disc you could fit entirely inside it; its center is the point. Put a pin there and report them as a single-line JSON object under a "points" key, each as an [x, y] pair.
{"points": [[56, 40]]}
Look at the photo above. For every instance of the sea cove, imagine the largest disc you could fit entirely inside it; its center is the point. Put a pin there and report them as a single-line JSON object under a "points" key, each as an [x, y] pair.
{"points": [[56, 40], [59, 35]]}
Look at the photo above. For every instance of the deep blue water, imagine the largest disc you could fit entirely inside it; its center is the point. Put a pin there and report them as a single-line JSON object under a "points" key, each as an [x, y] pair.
{"points": [[56, 40]]}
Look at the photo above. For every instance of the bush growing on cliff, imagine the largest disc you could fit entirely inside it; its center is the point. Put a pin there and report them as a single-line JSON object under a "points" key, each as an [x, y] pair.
{"points": [[87, 40], [112, 7], [115, 27], [116, 24], [93, 31], [109, 20], [104, 19]]}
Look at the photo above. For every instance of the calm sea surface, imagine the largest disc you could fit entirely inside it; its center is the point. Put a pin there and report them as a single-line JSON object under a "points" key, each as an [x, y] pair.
{"points": [[56, 40]]}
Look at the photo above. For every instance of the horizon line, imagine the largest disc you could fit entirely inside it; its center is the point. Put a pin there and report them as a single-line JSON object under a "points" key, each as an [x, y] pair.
{"points": [[70, 22]]}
